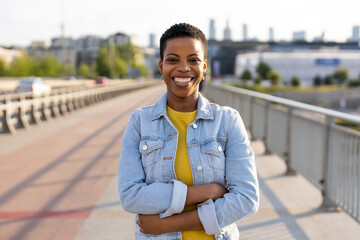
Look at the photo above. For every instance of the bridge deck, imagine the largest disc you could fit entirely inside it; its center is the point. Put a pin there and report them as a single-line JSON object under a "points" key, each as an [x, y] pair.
{"points": [[58, 181]]}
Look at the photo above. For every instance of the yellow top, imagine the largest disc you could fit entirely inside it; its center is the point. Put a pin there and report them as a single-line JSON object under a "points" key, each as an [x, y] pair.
{"points": [[181, 120]]}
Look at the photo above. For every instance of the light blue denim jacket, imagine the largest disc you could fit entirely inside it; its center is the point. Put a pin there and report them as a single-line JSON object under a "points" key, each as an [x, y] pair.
{"points": [[219, 151]]}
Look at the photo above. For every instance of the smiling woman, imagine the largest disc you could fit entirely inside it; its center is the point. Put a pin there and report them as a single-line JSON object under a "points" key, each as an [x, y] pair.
{"points": [[186, 167]]}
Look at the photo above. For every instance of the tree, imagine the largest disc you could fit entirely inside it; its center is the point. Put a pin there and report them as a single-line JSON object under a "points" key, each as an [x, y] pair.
{"points": [[84, 70], [102, 62], [23, 66], [2, 67], [120, 67], [317, 81], [258, 80], [274, 77], [262, 69], [47, 66], [246, 75], [341, 74], [295, 81]]}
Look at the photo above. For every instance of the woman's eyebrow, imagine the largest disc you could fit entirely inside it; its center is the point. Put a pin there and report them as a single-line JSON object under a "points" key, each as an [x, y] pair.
{"points": [[172, 54]]}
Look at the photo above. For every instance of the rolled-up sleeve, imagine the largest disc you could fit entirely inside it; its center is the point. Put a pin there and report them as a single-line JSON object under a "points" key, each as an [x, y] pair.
{"points": [[243, 197], [207, 215], [136, 195]]}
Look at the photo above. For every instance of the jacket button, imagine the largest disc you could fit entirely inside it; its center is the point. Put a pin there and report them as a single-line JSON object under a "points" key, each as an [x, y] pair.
{"points": [[199, 168], [194, 126], [145, 147], [219, 148]]}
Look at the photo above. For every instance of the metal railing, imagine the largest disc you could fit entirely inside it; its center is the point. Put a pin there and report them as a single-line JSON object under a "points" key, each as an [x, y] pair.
{"points": [[20, 111], [307, 138]]}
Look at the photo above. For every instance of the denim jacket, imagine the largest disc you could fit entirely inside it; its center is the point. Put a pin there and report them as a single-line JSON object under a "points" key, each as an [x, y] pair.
{"points": [[219, 151]]}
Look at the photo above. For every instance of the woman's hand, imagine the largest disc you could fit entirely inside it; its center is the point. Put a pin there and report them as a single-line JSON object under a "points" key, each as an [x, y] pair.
{"points": [[152, 224]]}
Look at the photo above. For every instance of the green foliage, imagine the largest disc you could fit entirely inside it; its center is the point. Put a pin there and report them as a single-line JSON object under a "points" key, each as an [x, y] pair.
{"points": [[47, 66], [102, 62], [258, 80], [317, 81], [328, 80], [295, 81], [120, 67], [2, 67], [23, 66], [84, 70], [126, 57], [246, 75], [341, 74], [274, 77], [262, 69], [354, 83]]}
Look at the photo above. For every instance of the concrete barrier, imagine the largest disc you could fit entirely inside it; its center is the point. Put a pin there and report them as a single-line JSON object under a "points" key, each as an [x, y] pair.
{"points": [[20, 111]]}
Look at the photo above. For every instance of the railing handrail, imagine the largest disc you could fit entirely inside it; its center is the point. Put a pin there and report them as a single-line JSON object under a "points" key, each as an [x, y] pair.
{"points": [[291, 103]]}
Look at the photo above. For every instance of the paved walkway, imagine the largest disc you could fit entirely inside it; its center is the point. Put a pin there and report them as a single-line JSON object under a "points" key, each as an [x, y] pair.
{"points": [[58, 181]]}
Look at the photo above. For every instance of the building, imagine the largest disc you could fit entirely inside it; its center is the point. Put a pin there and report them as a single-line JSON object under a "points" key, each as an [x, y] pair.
{"points": [[212, 33], [271, 34], [37, 49], [87, 48], [9, 55], [152, 40], [306, 64], [319, 38], [227, 32], [299, 36], [355, 34], [245, 32], [64, 50]]}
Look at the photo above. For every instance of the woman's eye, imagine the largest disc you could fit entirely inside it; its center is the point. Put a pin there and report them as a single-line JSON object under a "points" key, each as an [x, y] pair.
{"points": [[171, 60], [195, 60]]}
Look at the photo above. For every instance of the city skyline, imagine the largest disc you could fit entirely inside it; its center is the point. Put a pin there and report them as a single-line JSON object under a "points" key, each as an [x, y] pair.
{"points": [[22, 22]]}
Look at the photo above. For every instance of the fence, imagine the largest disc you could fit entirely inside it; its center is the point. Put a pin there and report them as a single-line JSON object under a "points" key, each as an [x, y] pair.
{"points": [[19, 111], [307, 138]]}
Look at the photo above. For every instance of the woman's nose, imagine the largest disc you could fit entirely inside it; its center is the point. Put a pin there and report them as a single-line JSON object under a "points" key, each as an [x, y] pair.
{"points": [[183, 66]]}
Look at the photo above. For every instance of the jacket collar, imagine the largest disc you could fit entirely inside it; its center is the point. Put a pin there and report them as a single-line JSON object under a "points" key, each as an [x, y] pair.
{"points": [[203, 107]]}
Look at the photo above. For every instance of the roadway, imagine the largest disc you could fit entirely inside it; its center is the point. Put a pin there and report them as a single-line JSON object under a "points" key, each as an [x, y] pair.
{"points": [[58, 181]]}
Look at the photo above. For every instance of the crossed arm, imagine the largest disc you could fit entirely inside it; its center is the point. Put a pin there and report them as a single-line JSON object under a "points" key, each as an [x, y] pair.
{"points": [[153, 224]]}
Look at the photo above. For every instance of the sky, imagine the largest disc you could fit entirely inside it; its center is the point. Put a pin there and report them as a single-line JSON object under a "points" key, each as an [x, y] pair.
{"points": [[24, 21]]}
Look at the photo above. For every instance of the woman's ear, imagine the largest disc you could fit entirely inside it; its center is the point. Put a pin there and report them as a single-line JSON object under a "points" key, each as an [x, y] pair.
{"points": [[205, 66]]}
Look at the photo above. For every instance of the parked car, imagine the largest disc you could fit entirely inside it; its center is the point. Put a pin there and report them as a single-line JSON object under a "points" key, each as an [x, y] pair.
{"points": [[102, 80], [35, 85]]}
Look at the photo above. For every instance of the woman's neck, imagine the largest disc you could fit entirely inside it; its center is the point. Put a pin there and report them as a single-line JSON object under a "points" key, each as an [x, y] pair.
{"points": [[188, 104]]}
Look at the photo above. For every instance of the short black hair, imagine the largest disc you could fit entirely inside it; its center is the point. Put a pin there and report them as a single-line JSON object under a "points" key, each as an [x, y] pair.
{"points": [[182, 30]]}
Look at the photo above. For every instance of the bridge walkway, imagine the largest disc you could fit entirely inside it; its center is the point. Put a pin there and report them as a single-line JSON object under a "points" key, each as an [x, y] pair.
{"points": [[58, 181]]}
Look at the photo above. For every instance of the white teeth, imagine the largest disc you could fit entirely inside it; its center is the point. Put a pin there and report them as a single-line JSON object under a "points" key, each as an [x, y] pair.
{"points": [[184, 80]]}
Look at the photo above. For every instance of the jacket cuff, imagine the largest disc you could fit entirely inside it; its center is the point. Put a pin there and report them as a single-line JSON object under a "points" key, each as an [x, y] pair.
{"points": [[207, 215], [178, 199]]}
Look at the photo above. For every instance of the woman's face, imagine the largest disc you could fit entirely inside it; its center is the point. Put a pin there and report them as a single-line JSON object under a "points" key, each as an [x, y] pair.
{"points": [[183, 67]]}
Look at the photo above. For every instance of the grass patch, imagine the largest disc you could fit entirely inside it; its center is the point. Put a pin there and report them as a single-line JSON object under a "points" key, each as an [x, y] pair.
{"points": [[348, 125]]}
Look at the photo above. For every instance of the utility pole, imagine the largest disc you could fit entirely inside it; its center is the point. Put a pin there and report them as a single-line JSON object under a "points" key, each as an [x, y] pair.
{"points": [[111, 56], [63, 48]]}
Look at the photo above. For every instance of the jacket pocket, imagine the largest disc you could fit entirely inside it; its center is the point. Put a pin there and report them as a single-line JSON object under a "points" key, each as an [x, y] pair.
{"points": [[215, 155], [150, 150]]}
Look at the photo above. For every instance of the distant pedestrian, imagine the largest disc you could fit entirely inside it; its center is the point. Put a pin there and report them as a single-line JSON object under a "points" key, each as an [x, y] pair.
{"points": [[186, 166]]}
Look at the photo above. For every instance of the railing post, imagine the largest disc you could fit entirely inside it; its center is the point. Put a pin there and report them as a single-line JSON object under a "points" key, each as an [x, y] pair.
{"points": [[289, 170], [327, 204], [266, 123], [251, 118], [8, 126]]}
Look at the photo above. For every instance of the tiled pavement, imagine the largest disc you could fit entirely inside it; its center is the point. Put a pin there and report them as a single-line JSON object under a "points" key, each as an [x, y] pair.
{"points": [[58, 181]]}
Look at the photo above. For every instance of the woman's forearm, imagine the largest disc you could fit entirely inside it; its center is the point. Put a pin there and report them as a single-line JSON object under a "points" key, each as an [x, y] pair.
{"points": [[200, 193], [153, 224]]}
